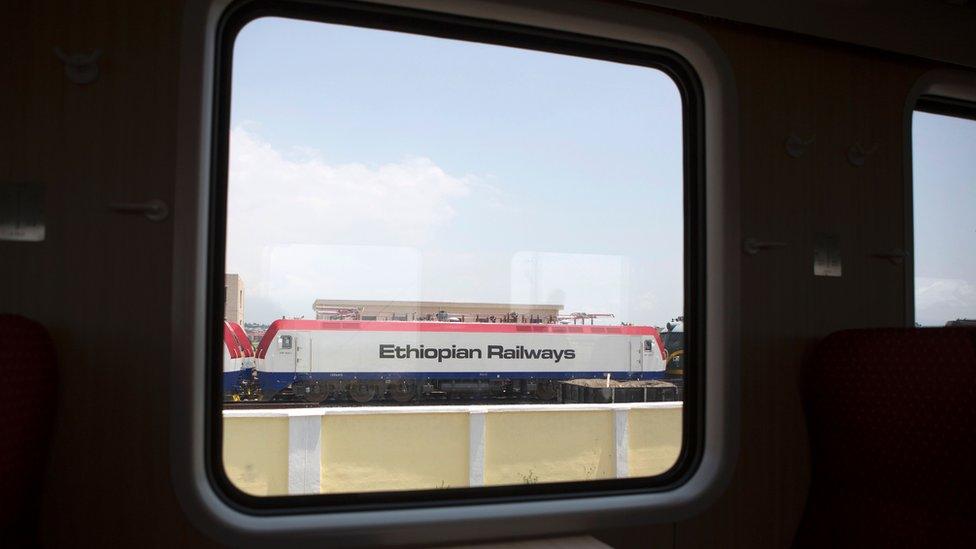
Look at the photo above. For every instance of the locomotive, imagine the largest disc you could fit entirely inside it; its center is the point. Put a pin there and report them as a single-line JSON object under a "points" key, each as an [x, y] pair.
{"points": [[363, 361], [240, 375], [674, 345]]}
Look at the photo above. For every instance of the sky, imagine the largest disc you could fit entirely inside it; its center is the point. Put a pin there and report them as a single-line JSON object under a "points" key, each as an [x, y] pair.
{"points": [[370, 164], [944, 200]]}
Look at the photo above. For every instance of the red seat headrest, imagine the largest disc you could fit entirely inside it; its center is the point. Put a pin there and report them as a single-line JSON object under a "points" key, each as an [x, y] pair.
{"points": [[28, 370], [892, 420]]}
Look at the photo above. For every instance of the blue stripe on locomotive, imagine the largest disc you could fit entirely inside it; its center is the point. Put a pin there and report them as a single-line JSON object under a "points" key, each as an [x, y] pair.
{"points": [[272, 382], [232, 380]]}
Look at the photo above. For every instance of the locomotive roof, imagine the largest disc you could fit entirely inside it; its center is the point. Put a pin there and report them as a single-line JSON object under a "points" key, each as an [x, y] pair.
{"points": [[230, 342], [451, 327], [241, 337]]}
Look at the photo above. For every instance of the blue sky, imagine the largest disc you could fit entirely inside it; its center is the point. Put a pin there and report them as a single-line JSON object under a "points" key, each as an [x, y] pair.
{"points": [[944, 179], [379, 165]]}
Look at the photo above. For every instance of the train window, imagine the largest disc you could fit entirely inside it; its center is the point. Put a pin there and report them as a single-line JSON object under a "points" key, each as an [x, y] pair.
{"points": [[944, 199], [497, 195], [468, 224]]}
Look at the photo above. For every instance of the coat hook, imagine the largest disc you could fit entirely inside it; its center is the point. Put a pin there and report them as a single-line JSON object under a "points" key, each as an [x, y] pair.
{"points": [[895, 256], [80, 68], [857, 154], [153, 210], [753, 246], [796, 145]]}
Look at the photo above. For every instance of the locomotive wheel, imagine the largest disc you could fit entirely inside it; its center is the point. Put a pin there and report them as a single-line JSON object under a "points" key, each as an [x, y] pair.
{"points": [[545, 390], [403, 391], [306, 391], [330, 390], [362, 392], [314, 392]]}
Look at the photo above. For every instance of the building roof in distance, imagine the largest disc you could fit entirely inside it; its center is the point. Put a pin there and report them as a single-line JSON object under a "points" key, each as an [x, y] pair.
{"points": [[445, 305]]}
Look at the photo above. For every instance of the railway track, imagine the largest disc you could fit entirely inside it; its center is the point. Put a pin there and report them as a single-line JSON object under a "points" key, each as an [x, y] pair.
{"points": [[585, 392], [380, 404]]}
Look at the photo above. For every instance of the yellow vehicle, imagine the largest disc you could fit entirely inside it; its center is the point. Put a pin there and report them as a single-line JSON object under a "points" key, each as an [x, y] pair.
{"points": [[674, 345]]}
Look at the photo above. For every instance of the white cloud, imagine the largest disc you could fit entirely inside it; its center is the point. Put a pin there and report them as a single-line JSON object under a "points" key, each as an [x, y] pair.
{"points": [[277, 200], [301, 228], [306, 200], [938, 300]]}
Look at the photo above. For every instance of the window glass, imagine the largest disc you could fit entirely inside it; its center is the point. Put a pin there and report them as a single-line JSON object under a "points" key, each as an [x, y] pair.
{"points": [[944, 203], [476, 249]]}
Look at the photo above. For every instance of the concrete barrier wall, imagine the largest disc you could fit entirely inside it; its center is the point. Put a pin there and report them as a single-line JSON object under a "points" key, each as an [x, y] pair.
{"points": [[328, 450], [256, 454], [367, 452]]}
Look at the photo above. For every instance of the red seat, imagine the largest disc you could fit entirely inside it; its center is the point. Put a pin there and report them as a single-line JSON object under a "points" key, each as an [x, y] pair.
{"points": [[28, 377], [892, 421]]}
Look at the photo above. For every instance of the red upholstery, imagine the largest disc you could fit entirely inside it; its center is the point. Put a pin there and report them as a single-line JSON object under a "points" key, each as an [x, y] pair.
{"points": [[892, 421], [28, 377]]}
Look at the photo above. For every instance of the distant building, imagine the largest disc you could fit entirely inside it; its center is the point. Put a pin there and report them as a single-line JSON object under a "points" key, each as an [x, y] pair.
{"points": [[962, 323], [234, 298], [255, 331], [449, 311]]}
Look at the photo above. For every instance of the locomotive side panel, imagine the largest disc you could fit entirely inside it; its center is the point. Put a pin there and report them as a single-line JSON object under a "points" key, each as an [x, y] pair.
{"points": [[451, 357], [438, 354]]}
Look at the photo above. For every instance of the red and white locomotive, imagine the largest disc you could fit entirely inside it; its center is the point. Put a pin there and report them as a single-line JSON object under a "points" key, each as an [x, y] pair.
{"points": [[239, 372], [315, 360]]}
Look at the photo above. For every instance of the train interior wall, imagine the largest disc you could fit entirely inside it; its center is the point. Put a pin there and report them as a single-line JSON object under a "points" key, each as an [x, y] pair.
{"points": [[101, 282]]}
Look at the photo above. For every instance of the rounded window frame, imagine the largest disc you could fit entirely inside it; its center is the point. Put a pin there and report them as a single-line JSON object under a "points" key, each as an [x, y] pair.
{"points": [[702, 471], [940, 91]]}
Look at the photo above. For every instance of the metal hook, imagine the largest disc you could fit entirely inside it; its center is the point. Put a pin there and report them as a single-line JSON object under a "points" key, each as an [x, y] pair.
{"points": [[80, 68], [896, 256], [153, 210], [753, 246], [857, 154], [796, 145]]}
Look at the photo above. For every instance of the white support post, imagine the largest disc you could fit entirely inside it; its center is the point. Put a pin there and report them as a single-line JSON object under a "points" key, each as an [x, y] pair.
{"points": [[622, 441], [304, 454], [476, 448]]}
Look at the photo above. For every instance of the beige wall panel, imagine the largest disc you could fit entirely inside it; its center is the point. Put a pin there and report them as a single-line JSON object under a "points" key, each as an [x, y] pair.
{"points": [[101, 282], [394, 452], [256, 454], [840, 95], [529, 447], [655, 440]]}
